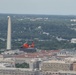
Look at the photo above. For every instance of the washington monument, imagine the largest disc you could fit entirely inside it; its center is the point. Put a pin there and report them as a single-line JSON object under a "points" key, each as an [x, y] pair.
{"points": [[9, 34]]}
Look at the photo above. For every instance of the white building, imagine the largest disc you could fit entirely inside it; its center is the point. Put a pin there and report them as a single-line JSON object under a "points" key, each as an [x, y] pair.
{"points": [[73, 40]]}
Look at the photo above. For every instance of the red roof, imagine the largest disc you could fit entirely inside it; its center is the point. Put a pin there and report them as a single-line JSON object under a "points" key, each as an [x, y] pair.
{"points": [[40, 54]]}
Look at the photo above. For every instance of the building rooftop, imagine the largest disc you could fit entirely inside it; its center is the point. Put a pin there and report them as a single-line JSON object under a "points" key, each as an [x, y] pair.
{"points": [[54, 61]]}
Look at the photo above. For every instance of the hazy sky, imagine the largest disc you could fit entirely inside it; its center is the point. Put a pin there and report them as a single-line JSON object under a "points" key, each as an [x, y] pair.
{"points": [[57, 7]]}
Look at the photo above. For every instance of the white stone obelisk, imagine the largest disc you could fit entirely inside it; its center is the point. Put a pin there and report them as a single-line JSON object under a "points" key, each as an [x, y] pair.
{"points": [[9, 34]]}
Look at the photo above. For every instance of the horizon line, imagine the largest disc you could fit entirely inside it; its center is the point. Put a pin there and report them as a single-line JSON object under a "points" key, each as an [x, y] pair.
{"points": [[39, 14]]}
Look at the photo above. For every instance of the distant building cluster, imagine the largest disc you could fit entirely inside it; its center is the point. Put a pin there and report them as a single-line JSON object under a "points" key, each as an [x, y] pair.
{"points": [[74, 20], [51, 62]]}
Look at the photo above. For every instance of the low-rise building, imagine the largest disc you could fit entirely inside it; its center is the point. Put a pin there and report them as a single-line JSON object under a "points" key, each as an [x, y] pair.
{"points": [[17, 71], [56, 65]]}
